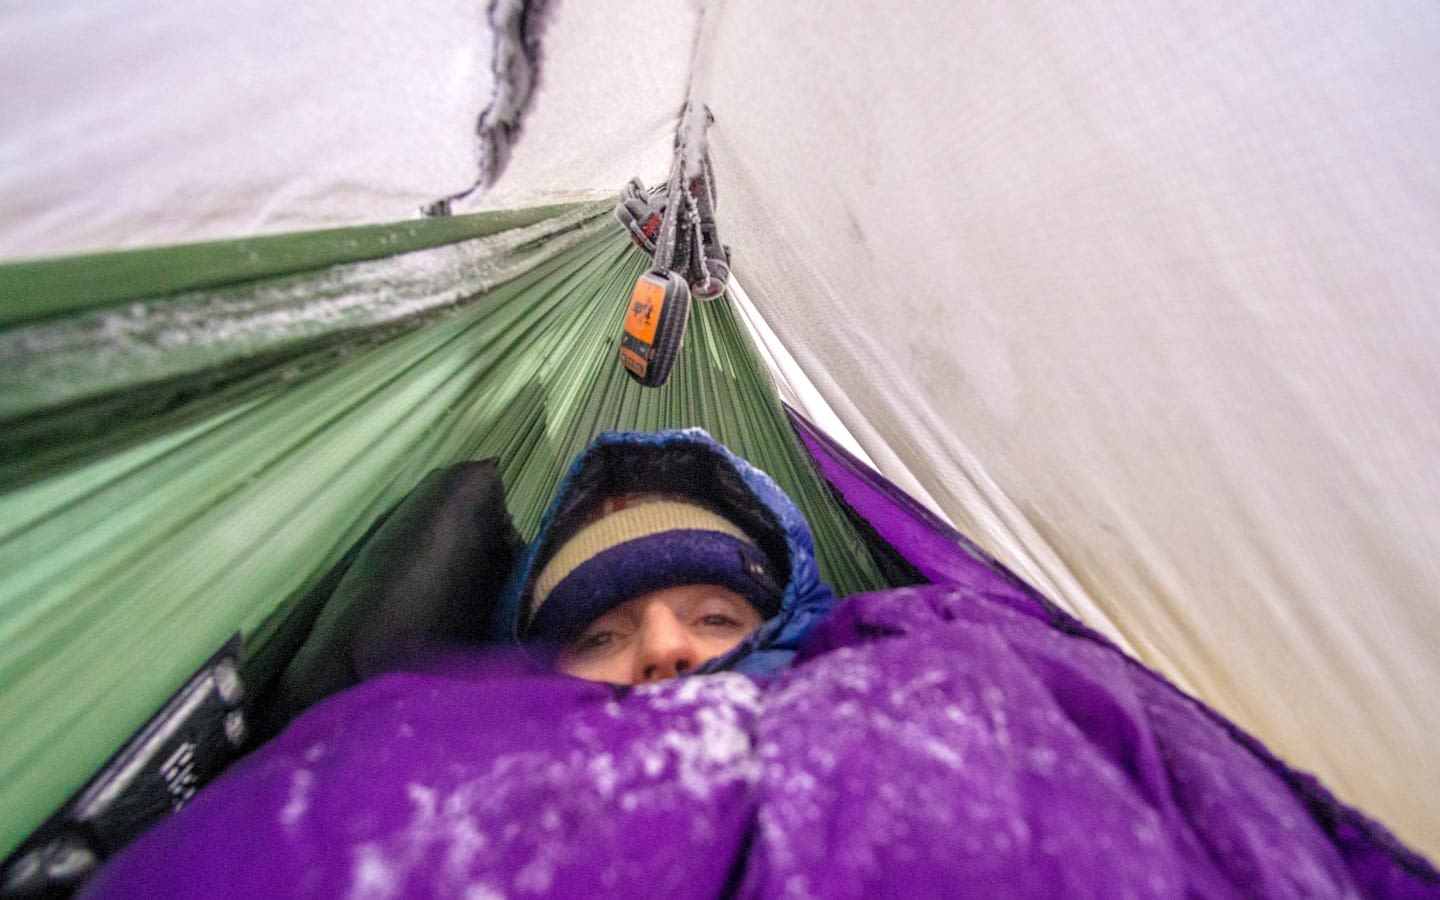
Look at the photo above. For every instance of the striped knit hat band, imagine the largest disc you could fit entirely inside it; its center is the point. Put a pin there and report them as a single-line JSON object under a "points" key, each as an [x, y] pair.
{"points": [[619, 520], [638, 543]]}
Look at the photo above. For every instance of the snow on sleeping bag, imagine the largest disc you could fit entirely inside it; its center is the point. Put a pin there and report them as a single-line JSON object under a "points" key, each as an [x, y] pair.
{"points": [[937, 740]]}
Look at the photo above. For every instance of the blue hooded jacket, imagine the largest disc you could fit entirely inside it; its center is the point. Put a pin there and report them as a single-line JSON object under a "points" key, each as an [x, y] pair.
{"points": [[690, 462]]}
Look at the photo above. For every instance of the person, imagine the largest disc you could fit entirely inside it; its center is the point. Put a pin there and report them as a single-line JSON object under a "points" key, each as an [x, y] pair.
{"points": [[665, 553], [674, 511], [951, 738], [650, 587]]}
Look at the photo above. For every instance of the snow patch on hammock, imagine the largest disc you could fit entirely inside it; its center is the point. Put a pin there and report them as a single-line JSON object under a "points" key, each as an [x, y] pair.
{"points": [[50, 363]]}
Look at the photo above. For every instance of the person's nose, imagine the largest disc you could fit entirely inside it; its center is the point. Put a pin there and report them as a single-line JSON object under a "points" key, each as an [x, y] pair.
{"points": [[666, 648]]}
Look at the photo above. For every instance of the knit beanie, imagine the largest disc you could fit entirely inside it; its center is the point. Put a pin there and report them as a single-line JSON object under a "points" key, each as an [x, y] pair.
{"points": [[634, 544]]}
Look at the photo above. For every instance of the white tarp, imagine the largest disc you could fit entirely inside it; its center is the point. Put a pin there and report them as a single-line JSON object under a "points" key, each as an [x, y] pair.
{"points": [[138, 122], [1141, 297], [1147, 304]]}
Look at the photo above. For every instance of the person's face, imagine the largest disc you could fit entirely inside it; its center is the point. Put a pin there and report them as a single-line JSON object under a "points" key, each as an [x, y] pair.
{"points": [[659, 635]]}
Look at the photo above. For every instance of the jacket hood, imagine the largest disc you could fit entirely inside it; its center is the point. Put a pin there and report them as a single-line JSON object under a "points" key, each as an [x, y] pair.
{"points": [[688, 462]]}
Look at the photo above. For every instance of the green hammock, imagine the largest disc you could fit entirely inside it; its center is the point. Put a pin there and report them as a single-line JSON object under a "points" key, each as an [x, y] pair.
{"points": [[193, 436]]}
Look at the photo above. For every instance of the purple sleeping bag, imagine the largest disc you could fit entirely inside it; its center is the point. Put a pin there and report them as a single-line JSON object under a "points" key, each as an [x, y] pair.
{"points": [[957, 739]]}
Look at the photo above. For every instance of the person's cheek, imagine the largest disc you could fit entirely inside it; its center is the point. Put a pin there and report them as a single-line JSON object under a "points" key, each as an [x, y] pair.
{"points": [[614, 669], [718, 646]]}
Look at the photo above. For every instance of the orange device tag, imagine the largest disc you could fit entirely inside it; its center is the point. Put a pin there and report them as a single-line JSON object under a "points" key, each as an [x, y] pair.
{"points": [[641, 322], [645, 305]]}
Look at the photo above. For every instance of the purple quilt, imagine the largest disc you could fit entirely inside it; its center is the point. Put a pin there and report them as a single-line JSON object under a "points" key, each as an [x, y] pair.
{"points": [[929, 742], [964, 738]]}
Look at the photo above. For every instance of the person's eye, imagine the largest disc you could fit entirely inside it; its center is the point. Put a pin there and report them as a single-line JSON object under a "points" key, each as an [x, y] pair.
{"points": [[719, 620], [591, 642]]}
